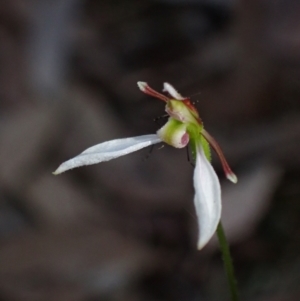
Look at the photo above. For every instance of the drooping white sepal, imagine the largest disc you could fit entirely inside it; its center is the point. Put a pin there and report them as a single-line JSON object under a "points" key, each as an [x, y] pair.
{"points": [[207, 198], [108, 150]]}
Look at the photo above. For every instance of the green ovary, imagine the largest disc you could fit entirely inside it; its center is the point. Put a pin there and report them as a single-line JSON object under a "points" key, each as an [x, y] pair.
{"points": [[196, 138]]}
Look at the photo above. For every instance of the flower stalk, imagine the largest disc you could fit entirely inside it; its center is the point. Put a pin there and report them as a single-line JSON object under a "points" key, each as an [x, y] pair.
{"points": [[227, 261]]}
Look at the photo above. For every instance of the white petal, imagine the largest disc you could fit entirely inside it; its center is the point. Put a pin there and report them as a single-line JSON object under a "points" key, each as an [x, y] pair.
{"points": [[172, 91], [108, 150], [207, 198]]}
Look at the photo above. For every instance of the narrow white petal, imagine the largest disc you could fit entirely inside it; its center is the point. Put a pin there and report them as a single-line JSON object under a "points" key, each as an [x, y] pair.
{"points": [[108, 150], [172, 91], [207, 198]]}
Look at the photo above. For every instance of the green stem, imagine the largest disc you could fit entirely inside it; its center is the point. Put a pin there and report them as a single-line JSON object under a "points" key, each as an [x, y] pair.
{"points": [[224, 247]]}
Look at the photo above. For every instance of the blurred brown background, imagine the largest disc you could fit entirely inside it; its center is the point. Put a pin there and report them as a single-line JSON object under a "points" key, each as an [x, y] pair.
{"points": [[126, 229]]}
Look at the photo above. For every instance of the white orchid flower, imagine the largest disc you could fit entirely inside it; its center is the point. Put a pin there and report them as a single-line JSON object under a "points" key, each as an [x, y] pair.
{"points": [[184, 127]]}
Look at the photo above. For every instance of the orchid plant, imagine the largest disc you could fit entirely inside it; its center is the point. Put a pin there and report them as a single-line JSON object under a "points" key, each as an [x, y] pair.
{"points": [[184, 127]]}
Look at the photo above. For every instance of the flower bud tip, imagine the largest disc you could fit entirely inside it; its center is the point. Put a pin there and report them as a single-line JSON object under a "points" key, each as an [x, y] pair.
{"points": [[232, 177], [142, 86]]}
